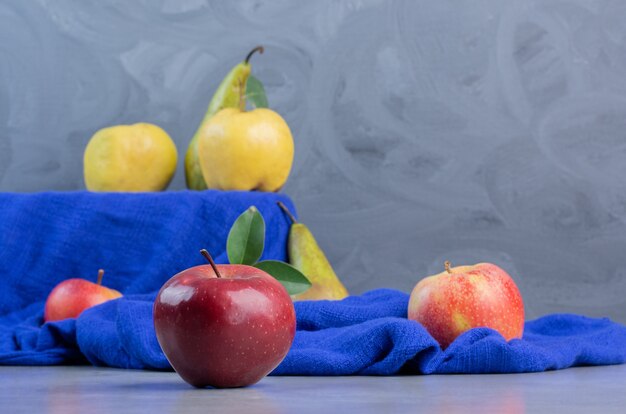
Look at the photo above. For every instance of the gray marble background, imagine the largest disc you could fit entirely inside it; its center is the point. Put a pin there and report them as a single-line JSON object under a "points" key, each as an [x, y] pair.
{"points": [[425, 130]]}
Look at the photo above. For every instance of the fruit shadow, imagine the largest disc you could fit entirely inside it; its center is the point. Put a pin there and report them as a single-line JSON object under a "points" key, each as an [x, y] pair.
{"points": [[179, 385]]}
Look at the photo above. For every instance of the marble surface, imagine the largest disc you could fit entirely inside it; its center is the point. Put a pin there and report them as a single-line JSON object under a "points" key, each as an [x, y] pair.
{"points": [[103, 390], [469, 131]]}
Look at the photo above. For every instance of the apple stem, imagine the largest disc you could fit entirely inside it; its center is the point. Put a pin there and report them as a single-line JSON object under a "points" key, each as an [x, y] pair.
{"points": [[447, 266], [207, 256], [100, 275], [286, 210], [259, 49]]}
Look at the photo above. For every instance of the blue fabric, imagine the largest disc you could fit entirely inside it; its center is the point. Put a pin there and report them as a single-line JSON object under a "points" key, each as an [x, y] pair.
{"points": [[142, 240]]}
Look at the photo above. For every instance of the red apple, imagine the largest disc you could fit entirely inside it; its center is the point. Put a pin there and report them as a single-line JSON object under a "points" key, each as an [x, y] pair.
{"points": [[224, 325], [466, 297], [71, 297]]}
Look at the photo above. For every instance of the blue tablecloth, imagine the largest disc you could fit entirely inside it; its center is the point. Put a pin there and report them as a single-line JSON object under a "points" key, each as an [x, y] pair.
{"points": [[142, 240]]}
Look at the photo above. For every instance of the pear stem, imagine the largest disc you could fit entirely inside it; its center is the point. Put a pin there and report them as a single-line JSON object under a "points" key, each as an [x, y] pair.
{"points": [[242, 84], [100, 276], [286, 210], [207, 256], [447, 266], [259, 49]]}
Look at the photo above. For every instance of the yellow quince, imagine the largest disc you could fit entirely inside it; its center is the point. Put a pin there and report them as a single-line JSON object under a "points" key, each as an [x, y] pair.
{"points": [[134, 158]]}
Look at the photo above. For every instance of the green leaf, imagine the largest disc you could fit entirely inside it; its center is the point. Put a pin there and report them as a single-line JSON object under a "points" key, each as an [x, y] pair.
{"points": [[290, 277], [246, 238], [255, 93]]}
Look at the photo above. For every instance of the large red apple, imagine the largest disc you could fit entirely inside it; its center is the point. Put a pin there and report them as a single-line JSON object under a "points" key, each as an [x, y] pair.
{"points": [[72, 296], [466, 297], [224, 325]]}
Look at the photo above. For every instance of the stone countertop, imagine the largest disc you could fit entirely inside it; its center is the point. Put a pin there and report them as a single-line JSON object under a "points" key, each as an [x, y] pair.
{"points": [[101, 390]]}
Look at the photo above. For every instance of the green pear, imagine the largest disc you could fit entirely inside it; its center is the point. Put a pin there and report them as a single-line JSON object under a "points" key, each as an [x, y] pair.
{"points": [[230, 94], [307, 256]]}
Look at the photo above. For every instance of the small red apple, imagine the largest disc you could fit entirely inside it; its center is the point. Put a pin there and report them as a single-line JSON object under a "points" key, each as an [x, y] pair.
{"points": [[71, 297], [466, 297], [224, 325]]}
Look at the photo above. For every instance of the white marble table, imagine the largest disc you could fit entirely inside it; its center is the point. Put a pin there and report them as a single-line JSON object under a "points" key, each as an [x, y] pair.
{"points": [[67, 390]]}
